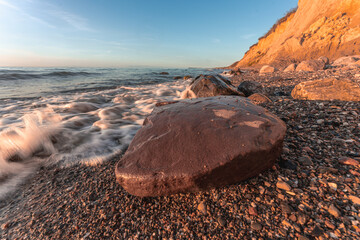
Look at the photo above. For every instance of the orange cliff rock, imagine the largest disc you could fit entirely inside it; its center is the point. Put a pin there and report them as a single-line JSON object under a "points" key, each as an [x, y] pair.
{"points": [[316, 28]]}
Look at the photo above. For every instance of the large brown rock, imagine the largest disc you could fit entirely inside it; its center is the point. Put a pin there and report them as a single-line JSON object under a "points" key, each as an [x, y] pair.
{"points": [[311, 66], [346, 61], [209, 86], [267, 69], [290, 68], [327, 89], [198, 144]]}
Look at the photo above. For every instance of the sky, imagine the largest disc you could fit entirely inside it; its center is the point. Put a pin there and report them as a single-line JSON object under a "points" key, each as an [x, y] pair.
{"points": [[133, 33]]}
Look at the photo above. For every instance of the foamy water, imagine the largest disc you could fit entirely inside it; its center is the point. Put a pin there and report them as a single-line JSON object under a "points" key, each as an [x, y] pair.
{"points": [[75, 116]]}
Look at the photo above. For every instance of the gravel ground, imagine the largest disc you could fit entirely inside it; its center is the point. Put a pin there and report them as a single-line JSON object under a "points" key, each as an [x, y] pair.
{"points": [[312, 192]]}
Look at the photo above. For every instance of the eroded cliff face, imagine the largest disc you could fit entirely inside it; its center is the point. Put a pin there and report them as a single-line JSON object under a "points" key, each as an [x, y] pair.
{"points": [[317, 28]]}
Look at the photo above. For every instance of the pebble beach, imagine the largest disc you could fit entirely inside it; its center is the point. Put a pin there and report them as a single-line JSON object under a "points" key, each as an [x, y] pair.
{"points": [[312, 192]]}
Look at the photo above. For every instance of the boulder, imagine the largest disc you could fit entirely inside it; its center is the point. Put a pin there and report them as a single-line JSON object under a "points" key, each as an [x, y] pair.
{"points": [[164, 73], [267, 69], [290, 68], [250, 87], [259, 98], [209, 86], [199, 144], [346, 61], [310, 66], [327, 89]]}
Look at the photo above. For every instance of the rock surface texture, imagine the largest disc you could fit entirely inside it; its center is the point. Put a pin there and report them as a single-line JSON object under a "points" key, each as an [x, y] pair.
{"points": [[311, 66], [199, 144], [209, 86], [267, 69], [329, 28], [327, 89], [290, 68], [250, 87]]}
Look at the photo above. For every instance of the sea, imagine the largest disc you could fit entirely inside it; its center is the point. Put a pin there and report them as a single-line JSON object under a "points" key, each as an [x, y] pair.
{"points": [[65, 116]]}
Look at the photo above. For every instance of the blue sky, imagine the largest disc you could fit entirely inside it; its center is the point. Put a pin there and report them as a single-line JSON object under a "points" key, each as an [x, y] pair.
{"points": [[119, 33]]}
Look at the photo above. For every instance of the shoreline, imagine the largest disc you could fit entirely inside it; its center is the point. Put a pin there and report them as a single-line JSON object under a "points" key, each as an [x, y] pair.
{"points": [[86, 201]]}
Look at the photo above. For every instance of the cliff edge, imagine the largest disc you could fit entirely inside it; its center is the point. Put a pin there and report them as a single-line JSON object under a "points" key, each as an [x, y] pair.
{"points": [[315, 28]]}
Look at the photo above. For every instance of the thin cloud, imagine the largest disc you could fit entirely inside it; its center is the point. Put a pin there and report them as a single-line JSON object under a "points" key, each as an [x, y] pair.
{"points": [[3, 2], [73, 20], [36, 19], [248, 36], [216, 40]]}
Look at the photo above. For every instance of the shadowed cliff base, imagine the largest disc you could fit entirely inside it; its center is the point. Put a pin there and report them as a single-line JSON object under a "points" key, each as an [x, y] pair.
{"points": [[323, 28]]}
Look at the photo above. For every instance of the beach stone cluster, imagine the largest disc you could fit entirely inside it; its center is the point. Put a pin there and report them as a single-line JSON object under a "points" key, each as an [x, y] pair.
{"points": [[198, 144], [311, 192]]}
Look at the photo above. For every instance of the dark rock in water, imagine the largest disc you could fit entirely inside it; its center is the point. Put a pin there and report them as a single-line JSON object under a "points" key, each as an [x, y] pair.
{"points": [[311, 66], [198, 144], [250, 87], [164, 73], [15, 158], [177, 78], [212, 85], [327, 89]]}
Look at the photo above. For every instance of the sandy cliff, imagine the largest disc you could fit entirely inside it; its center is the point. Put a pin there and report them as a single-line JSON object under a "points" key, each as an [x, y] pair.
{"points": [[316, 28]]}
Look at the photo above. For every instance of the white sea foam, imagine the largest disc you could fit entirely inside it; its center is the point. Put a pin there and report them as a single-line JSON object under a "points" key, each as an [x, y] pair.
{"points": [[68, 129]]}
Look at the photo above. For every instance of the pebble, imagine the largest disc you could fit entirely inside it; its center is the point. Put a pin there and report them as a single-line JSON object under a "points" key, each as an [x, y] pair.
{"points": [[334, 211], [305, 160], [349, 161], [302, 238], [302, 219], [202, 208], [253, 211], [221, 221], [5, 226], [354, 199], [317, 231], [285, 208], [329, 224], [256, 226], [283, 185], [333, 186], [293, 217], [286, 223]]}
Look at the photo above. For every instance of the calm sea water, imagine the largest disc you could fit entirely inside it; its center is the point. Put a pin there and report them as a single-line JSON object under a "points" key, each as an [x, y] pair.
{"points": [[66, 116]]}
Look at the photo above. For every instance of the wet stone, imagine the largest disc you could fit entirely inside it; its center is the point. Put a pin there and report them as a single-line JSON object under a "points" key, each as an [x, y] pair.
{"points": [[283, 185], [256, 226], [155, 165], [202, 208], [334, 211]]}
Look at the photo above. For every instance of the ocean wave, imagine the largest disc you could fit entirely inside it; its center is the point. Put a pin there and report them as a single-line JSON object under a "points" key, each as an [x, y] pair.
{"points": [[68, 74], [23, 75], [62, 130]]}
